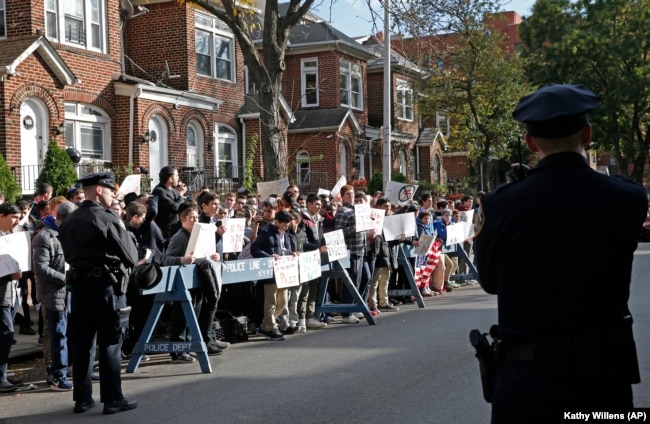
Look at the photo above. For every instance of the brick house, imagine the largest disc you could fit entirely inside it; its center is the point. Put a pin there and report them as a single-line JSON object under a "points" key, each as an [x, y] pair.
{"points": [[147, 83]]}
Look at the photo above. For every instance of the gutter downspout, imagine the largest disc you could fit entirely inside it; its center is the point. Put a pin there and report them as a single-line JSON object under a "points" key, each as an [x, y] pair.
{"points": [[243, 146]]}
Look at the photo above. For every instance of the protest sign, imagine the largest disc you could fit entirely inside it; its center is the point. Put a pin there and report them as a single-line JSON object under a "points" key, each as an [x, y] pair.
{"points": [[362, 217], [396, 225], [310, 267], [398, 193], [335, 242], [336, 190], [18, 246], [323, 192], [424, 244], [285, 271], [459, 232], [233, 239], [131, 184], [267, 188], [202, 240], [377, 218]]}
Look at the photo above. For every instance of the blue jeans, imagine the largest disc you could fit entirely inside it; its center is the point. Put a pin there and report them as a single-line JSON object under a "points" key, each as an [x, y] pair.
{"points": [[6, 338], [57, 324]]}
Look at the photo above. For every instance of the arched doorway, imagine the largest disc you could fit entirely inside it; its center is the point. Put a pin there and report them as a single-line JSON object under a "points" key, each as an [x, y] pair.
{"points": [[33, 142], [158, 138]]}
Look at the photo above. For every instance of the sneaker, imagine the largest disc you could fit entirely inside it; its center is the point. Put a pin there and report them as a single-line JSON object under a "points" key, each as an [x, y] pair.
{"points": [[426, 292], [314, 323], [360, 315], [221, 344], [290, 330], [182, 358], [275, 335], [394, 302], [61, 384], [453, 285], [328, 319], [302, 326], [350, 319], [6, 386], [16, 381], [212, 350], [374, 313], [28, 331], [388, 308]]}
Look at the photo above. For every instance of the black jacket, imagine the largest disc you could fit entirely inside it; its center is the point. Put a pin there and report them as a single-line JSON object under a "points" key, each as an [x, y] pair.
{"points": [[169, 201]]}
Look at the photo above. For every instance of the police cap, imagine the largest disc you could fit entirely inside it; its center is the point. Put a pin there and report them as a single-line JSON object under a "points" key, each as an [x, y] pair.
{"points": [[556, 110], [105, 179]]}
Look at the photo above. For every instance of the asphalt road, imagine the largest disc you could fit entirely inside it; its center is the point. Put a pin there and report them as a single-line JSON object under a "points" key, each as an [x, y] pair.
{"points": [[415, 366]]}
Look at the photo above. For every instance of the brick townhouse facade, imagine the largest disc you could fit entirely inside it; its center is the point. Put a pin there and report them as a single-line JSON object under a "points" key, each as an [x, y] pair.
{"points": [[146, 83]]}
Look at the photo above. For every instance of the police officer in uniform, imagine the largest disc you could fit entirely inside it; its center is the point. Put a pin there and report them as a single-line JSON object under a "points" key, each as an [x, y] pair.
{"points": [[559, 258], [101, 254]]}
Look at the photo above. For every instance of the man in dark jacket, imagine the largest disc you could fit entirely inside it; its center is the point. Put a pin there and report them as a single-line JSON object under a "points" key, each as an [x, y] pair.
{"points": [[571, 350], [169, 201], [49, 269]]}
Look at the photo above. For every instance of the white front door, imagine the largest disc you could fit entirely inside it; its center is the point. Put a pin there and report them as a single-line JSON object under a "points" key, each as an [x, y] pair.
{"points": [[33, 142], [157, 148]]}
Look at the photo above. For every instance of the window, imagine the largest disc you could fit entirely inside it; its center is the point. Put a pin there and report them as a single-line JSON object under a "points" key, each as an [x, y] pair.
{"points": [[87, 129], [226, 153], [215, 48], [3, 24], [303, 168], [76, 22], [309, 82], [442, 122], [250, 84], [404, 100], [351, 84]]}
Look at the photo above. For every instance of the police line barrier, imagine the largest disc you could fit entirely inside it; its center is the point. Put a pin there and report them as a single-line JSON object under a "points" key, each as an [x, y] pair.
{"points": [[178, 280]]}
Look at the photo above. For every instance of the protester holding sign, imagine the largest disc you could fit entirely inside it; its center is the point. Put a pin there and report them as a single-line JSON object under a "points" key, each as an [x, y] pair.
{"points": [[273, 241], [447, 265]]}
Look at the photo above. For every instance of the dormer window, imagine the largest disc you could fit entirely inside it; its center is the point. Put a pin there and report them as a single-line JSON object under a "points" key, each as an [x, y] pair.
{"points": [[309, 82]]}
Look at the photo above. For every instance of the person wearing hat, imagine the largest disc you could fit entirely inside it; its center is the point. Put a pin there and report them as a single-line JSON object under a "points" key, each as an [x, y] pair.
{"points": [[170, 198], [571, 349], [101, 254]]}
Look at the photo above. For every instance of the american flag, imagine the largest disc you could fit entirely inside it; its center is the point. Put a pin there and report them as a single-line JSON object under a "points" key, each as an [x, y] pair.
{"points": [[425, 264]]}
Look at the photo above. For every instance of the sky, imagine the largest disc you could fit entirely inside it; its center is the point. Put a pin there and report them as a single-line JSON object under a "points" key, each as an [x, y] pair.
{"points": [[352, 17]]}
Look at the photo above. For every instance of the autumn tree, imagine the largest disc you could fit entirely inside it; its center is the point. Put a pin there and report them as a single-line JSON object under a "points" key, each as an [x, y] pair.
{"points": [[473, 78], [265, 69], [604, 45]]}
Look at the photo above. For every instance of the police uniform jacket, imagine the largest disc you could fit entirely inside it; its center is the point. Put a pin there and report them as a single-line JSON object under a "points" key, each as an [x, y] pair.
{"points": [[543, 250], [94, 236]]}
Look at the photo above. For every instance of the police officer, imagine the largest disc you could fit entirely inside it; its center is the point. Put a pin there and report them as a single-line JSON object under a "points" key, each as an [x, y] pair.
{"points": [[101, 254], [562, 283]]}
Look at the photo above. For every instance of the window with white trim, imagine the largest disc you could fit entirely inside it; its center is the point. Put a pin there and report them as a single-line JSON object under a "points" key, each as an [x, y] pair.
{"points": [[80, 23], [87, 129], [442, 122], [215, 48], [226, 153], [3, 22], [351, 84], [309, 82], [303, 167], [251, 88], [404, 100]]}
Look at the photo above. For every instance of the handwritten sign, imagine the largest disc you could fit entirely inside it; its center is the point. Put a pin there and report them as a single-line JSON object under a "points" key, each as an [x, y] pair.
{"points": [[18, 246], [396, 225], [233, 238], [424, 244], [310, 267], [362, 217], [267, 188], [459, 232], [131, 184], [377, 218], [247, 270], [336, 247], [285, 271], [399, 193], [336, 190], [202, 241]]}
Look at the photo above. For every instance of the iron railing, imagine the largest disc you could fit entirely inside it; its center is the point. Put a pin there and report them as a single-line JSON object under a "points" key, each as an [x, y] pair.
{"points": [[26, 175]]}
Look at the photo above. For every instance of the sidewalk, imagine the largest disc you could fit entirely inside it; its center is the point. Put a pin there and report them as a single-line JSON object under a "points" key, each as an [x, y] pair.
{"points": [[25, 346]]}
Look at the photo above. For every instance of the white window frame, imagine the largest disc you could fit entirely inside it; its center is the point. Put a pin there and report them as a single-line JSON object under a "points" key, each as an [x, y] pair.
{"points": [[442, 122], [214, 31], [3, 19], [91, 15], [309, 70], [351, 73], [78, 121], [303, 168], [225, 135], [405, 109], [251, 88]]}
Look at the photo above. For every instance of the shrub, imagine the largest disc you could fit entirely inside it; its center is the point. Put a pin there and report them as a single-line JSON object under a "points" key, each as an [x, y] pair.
{"points": [[8, 183], [58, 170]]}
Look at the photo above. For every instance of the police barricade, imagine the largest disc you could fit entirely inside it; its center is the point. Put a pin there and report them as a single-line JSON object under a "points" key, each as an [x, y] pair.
{"points": [[178, 280], [404, 252], [457, 250]]}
